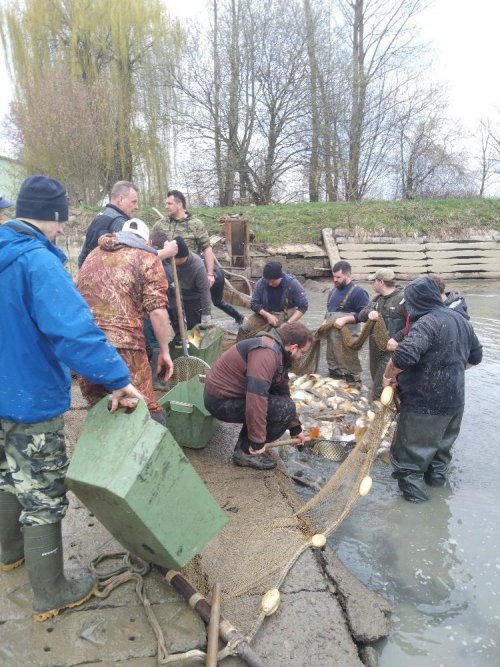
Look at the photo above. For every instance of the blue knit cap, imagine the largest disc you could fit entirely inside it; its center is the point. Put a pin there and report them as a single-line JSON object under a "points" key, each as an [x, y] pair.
{"points": [[42, 198], [4, 203]]}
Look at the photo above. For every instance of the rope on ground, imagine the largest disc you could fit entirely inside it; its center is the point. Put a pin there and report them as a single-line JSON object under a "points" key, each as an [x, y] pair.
{"points": [[135, 569]]}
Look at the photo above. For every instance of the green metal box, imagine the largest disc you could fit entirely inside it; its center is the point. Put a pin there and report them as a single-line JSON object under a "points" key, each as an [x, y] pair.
{"points": [[129, 471], [187, 418]]}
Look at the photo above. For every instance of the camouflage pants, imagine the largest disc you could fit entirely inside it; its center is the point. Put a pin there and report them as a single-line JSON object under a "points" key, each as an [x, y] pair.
{"points": [[33, 465], [140, 376]]}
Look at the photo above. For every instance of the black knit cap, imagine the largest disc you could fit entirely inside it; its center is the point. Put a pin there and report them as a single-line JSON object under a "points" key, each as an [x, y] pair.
{"points": [[42, 198], [183, 250], [272, 271]]}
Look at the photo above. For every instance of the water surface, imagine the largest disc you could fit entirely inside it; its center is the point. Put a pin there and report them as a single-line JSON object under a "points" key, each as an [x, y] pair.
{"points": [[438, 562]]}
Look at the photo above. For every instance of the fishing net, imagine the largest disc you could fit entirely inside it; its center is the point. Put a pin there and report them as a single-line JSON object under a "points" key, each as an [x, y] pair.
{"points": [[270, 525], [254, 324], [185, 368], [308, 363], [234, 296]]}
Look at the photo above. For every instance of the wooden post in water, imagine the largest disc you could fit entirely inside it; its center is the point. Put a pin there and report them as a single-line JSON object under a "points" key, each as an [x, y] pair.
{"points": [[330, 246]]}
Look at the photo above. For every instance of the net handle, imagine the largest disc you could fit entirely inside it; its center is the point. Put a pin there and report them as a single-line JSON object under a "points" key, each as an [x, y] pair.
{"points": [[293, 442], [180, 311]]}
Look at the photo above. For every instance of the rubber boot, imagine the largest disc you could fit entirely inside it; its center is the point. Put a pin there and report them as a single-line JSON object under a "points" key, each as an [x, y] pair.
{"points": [[44, 561], [11, 537], [413, 488], [433, 478]]}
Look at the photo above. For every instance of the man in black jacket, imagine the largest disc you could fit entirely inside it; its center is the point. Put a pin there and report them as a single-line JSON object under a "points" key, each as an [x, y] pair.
{"points": [[123, 204], [428, 367]]}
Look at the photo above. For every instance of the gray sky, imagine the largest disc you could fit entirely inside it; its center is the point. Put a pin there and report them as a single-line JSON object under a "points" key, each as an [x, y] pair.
{"points": [[464, 38]]}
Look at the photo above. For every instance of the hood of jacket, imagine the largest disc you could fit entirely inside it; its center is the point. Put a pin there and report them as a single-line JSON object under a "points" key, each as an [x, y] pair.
{"points": [[421, 296], [112, 242], [275, 335], [18, 238]]}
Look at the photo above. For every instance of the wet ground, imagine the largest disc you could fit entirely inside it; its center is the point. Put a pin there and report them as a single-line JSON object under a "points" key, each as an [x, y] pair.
{"points": [[322, 607]]}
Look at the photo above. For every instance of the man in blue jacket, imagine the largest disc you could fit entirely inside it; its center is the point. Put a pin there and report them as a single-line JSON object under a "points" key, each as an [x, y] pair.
{"points": [[278, 297], [46, 329], [428, 367]]}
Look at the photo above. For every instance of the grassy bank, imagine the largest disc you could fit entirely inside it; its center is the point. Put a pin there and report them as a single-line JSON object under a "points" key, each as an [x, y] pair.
{"points": [[302, 223]]}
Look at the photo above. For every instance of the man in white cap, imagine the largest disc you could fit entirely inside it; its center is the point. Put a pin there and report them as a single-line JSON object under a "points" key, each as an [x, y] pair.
{"points": [[389, 304], [123, 281]]}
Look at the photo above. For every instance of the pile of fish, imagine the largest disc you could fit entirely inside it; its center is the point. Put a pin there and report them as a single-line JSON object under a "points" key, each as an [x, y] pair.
{"points": [[338, 409], [341, 412], [336, 415]]}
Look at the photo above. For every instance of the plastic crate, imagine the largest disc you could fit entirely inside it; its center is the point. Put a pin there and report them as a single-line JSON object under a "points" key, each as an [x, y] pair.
{"points": [[187, 418], [129, 471]]}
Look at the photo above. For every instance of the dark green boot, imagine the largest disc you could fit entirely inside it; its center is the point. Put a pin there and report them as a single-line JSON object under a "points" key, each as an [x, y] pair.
{"points": [[44, 560], [11, 537]]}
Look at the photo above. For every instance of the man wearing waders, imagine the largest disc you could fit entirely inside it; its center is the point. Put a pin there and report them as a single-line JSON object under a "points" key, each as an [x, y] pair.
{"points": [[248, 385], [388, 304], [278, 297], [46, 329], [428, 367], [345, 298]]}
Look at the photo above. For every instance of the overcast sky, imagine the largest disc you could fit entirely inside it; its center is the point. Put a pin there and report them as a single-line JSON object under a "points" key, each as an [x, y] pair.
{"points": [[464, 38]]}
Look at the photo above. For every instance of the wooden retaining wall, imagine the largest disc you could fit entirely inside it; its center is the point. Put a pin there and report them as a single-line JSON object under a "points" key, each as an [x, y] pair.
{"points": [[301, 259], [457, 259], [473, 257]]}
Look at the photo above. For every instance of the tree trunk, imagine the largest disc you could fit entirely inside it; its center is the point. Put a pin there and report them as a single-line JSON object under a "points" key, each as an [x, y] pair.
{"points": [[216, 111], [357, 101], [314, 165]]}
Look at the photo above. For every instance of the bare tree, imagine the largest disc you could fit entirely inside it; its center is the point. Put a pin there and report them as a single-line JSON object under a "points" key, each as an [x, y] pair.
{"points": [[489, 158], [248, 101], [383, 55], [71, 145], [429, 163], [121, 46]]}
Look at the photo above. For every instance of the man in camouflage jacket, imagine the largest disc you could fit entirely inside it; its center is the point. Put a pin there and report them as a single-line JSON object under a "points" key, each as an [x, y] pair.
{"points": [[123, 281]]}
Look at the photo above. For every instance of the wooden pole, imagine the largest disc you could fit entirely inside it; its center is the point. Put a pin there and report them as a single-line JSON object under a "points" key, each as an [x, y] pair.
{"points": [[227, 631], [293, 442], [331, 247], [213, 628]]}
